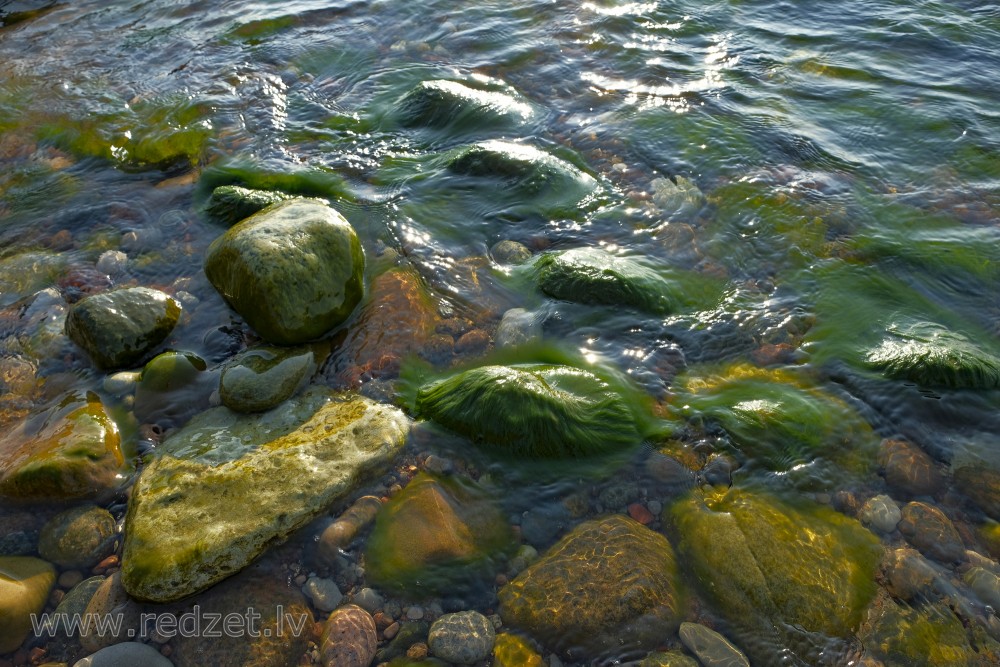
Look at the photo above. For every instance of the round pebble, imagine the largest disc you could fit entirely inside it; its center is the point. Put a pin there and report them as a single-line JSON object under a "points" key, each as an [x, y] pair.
{"points": [[464, 638], [881, 514], [510, 252], [323, 593], [415, 613], [368, 600], [112, 262]]}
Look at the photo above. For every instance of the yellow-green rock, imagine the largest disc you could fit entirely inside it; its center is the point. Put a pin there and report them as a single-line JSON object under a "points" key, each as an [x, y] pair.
{"points": [[70, 451], [439, 533], [25, 583], [512, 651], [609, 586], [221, 490]]}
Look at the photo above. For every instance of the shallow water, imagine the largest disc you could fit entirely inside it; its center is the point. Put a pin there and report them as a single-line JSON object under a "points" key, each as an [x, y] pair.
{"points": [[841, 164]]}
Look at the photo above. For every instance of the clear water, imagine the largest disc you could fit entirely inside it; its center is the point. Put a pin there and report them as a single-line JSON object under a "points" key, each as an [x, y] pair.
{"points": [[848, 155]]}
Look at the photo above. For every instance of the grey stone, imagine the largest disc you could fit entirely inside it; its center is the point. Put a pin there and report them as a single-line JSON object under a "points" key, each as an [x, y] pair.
{"points": [[127, 654], [369, 600], [518, 327], [712, 649], [464, 638], [323, 593], [881, 514]]}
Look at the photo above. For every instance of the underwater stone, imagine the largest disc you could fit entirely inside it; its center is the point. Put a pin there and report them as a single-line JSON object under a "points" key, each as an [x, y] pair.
{"points": [[929, 530], [292, 271], [119, 328], [231, 203], [262, 377], [77, 538], [513, 651], [464, 638], [543, 411], [530, 170], [712, 649], [349, 638], [442, 103], [126, 654], [172, 388], [510, 252], [25, 583]]}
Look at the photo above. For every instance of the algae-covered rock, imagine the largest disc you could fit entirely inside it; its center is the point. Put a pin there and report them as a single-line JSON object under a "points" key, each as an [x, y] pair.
{"points": [[24, 274], [119, 328], [934, 356], [513, 651], [70, 451], [523, 166], [25, 583], [77, 538], [173, 387], [436, 536], [292, 271], [596, 276], [608, 586], [777, 573], [543, 411], [262, 377], [231, 203], [253, 478], [442, 103]]}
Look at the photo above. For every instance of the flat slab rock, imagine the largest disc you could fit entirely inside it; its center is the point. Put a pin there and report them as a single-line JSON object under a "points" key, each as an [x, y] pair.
{"points": [[225, 487]]}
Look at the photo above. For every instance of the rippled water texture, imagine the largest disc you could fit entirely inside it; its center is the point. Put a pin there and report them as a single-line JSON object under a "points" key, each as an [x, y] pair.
{"points": [[822, 179]]}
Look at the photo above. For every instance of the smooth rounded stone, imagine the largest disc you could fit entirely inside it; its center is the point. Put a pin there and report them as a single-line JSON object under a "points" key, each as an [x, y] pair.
{"points": [[909, 469], [465, 637], [346, 527], [112, 262], [982, 486], [522, 558], [933, 356], [609, 586], [77, 538], [111, 601], [790, 573], [443, 103], [120, 328], [126, 654], [880, 513], [668, 659], [535, 410], [712, 649], [369, 600], [70, 451], [513, 651], [518, 327], [173, 387], [436, 535], [231, 203], [121, 383], [78, 598], [292, 271], [909, 575], [931, 532], [985, 584], [349, 638], [524, 167], [414, 613], [25, 583], [263, 377], [283, 623], [541, 525], [232, 471], [510, 252], [323, 593]]}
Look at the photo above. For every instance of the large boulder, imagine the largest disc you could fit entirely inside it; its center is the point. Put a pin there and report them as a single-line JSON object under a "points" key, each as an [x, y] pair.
{"points": [[254, 479], [609, 586], [439, 534], [25, 583], [293, 271], [70, 451], [786, 578], [121, 327], [536, 410]]}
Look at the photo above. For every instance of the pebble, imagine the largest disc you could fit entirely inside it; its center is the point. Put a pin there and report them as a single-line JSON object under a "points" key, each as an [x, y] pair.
{"points": [[417, 652], [414, 613], [339, 534], [909, 469], [639, 512], [712, 649], [349, 638], [525, 556], [112, 262], [985, 584], [368, 600], [323, 593], [438, 464], [518, 327], [510, 252], [77, 538], [476, 341], [881, 514], [908, 574], [464, 638], [391, 631], [655, 506], [931, 532], [126, 654], [121, 383], [539, 526]]}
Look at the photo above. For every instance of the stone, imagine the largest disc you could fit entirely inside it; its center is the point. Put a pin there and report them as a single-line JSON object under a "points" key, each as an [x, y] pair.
{"points": [[437, 535], [222, 463], [69, 451], [349, 638], [126, 654], [534, 410], [518, 327], [668, 659], [265, 376], [339, 534], [231, 203], [112, 262], [513, 651], [881, 514], [369, 600], [79, 597], [25, 273], [323, 593], [443, 103], [982, 486], [118, 329], [465, 637], [410, 633], [25, 583], [712, 649], [78, 538], [908, 469], [292, 271], [510, 252], [931, 532], [112, 602], [173, 387], [609, 586], [523, 167], [790, 573]]}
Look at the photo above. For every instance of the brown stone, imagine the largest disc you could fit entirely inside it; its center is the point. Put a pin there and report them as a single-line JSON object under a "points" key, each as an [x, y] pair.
{"points": [[476, 341], [639, 512], [339, 534], [982, 486], [349, 638], [111, 600], [908, 574], [931, 532], [909, 469]]}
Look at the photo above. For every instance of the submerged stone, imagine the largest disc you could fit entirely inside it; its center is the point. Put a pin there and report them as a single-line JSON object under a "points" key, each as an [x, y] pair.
{"points": [[292, 271], [712, 649], [262, 377], [119, 328], [231, 203], [70, 451], [442, 103], [222, 465], [435, 536], [173, 387], [542, 411], [25, 583], [513, 651], [24, 274], [77, 538], [609, 586]]}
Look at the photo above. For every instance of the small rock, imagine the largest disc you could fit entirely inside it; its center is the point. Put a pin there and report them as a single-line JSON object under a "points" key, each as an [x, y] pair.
{"points": [[639, 512], [476, 341], [25, 583], [908, 574], [121, 383], [339, 534], [985, 584], [929, 530], [127, 654], [112, 262], [391, 631], [712, 649], [69, 579], [513, 651], [518, 327], [414, 613], [880, 514], [438, 464], [368, 600], [510, 252], [465, 637], [417, 652], [77, 600], [909, 469], [349, 638], [110, 600], [323, 593], [77, 538]]}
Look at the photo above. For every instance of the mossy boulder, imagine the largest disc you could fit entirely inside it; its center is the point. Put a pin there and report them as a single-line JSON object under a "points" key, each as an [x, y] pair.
{"points": [[262, 377], [438, 535], [254, 479], [231, 203], [537, 410], [609, 586], [70, 451], [933, 356], [293, 271], [25, 583], [77, 538], [450, 104], [523, 166], [780, 574], [120, 328]]}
